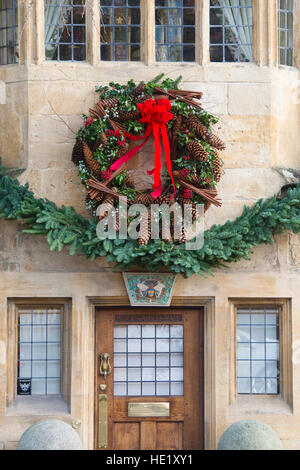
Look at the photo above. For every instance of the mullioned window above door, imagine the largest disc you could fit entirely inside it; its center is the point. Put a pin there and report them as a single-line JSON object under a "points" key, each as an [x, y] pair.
{"points": [[173, 31]]}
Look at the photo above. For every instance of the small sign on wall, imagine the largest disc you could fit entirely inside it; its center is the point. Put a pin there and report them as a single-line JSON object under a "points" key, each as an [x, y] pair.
{"points": [[149, 289], [24, 387]]}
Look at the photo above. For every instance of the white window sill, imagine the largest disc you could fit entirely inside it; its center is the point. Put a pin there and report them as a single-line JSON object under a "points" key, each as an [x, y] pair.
{"points": [[38, 405], [260, 404]]}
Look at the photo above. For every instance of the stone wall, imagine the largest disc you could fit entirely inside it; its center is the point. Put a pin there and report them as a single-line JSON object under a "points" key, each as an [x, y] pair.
{"points": [[259, 120]]}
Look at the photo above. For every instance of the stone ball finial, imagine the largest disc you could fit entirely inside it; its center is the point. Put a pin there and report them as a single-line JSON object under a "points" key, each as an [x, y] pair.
{"points": [[250, 435], [50, 434]]}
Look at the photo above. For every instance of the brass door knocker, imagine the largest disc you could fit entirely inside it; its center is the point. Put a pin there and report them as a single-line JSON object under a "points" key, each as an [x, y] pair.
{"points": [[105, 367]]}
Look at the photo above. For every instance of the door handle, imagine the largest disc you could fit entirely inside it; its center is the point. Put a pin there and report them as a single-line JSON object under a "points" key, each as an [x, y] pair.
{"points": [[105, 367]]}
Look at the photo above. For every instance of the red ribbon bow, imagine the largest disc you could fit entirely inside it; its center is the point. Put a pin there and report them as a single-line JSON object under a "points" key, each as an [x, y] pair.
{"points": [[155, 115]]}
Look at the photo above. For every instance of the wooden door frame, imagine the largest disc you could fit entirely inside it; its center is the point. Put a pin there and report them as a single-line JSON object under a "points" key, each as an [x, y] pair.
{"points": [[208, 304]]}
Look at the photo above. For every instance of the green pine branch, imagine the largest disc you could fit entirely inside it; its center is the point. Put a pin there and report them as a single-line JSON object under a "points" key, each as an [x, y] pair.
{"points": [[223, 244]]}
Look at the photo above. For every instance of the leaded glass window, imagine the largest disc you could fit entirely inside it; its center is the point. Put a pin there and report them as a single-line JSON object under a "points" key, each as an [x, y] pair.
{"points": [[65, 30], [258, 352], [8, 32], [231, 30], [120, 30], [148, 360], [39, 356], [285, 31], [175, 30]]}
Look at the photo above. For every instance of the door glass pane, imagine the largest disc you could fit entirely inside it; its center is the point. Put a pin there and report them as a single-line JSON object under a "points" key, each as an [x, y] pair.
{"points": [[148, 360]]}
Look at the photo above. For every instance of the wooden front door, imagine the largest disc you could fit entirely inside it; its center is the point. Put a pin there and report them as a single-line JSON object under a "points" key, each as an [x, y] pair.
{"points": [[149, 390]]}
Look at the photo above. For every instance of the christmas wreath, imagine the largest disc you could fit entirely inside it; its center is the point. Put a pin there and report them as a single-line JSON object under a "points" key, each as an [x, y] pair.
{"points": [[128, 113]]}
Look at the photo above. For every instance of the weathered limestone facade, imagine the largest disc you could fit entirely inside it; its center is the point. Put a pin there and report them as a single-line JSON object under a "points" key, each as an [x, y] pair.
{"points": [[258, 106]]}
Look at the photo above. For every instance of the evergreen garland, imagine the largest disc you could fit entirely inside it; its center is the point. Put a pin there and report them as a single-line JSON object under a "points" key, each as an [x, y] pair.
{"points": [[225, 243]]}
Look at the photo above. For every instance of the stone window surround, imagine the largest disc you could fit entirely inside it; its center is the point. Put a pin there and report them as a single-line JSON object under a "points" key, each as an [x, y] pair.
{"points": [[265, 34], [34, 404], [264, 403]]}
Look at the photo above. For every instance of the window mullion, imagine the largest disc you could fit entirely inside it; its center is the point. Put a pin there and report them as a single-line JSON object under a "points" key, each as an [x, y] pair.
{"points": [[92, 15], [148, 31], [202, 32]]}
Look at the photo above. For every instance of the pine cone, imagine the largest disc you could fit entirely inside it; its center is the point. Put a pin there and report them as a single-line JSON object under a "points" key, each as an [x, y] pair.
{"points": [[144, 198], [103, 139], [90, 161], [123, 150], [117, 222], [128, 115], [215, 142], [145, 230], [107, 206], [108, 103], [177, 125], [194, 212], [197, 150], [77, 154], [165, 234], [194, 208], [182, 201], [183, 237], [143, 98], [162, 200], [139, 89], [217, 168], [191, 121]]}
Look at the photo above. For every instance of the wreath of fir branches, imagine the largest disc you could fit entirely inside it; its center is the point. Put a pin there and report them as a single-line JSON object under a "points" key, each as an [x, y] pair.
{"points": [[196, 163], [223, 244]]}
